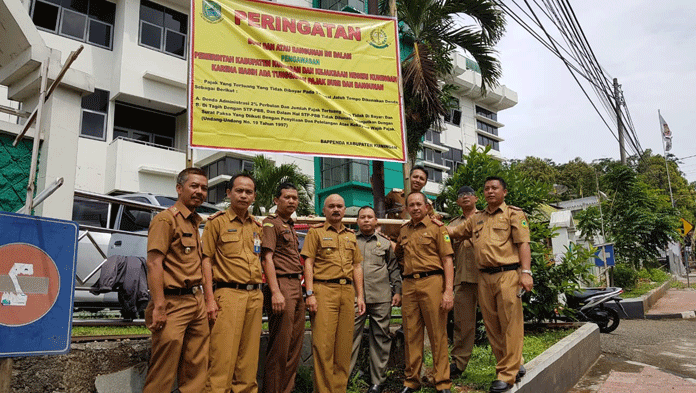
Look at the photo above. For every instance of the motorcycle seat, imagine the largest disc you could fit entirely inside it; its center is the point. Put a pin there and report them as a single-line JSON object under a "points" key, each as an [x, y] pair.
{"points": [[588, 293]]}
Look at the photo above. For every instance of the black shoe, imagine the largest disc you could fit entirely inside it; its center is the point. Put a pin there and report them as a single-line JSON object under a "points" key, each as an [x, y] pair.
{"points": [[374, 389], [406, 389], [455, 372], [499, 386], [521, 374], [444, 391]]}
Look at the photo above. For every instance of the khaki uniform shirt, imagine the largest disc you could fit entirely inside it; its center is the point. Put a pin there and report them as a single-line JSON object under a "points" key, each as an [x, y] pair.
{"points": [[174, 233], [381, 274], [495, 235], [229, 242], [465, 268], [280, 237], [421, 247], [334, 252]]}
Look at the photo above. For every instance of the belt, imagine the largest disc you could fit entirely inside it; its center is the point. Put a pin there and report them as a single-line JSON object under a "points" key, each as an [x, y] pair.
{"points": [[342, 281], [181, 291], [234, 285], [290, 275], [500, 269], [425, 274]]}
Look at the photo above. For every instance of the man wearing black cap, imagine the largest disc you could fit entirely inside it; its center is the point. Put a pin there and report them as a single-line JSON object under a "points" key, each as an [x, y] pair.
{"points": [[465, 288]]}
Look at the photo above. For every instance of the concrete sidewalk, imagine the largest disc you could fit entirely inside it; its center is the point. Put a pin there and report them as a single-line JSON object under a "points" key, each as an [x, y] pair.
{"points": [[675, 303]]}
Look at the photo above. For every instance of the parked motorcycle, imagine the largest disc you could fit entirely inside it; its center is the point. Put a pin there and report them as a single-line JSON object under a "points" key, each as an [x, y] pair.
{"points": [[589, 305]]}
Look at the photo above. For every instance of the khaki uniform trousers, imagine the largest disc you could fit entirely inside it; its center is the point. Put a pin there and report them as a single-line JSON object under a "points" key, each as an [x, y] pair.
{"points": [[285, 336], [380, 342], [465, 295], [234, 341], [421, 308], [180, 349], [504, 320], [332, 329]]}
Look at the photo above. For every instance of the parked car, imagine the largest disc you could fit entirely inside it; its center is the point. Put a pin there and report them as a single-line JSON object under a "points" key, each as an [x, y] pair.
{"points": [[118, 226]]}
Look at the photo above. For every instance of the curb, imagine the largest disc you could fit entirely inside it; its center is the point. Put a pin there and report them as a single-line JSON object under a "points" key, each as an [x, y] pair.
{"points": [[560, 367], [679, 315], [637, 308]]}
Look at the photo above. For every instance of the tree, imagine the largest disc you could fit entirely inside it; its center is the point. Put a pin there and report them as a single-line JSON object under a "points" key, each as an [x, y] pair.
{"points": [[268, 176], [538, 168], [638, 219], [434, 29], [579, 177], [652, 171], [524, 192]]}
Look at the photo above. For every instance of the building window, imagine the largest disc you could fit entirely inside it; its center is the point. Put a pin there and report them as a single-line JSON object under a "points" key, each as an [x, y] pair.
{"points": [[95, 107], [454, 115], [335, 171], [434, 175], [338, 5], [90, 21], [486, 141], [144, 125], [432, 137], [486, 127], [163, 29], [226, 166], [486, 113]]}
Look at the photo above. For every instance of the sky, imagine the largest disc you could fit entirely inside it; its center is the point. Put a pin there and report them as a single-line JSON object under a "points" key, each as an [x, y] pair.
{"points": [[650, 46]]}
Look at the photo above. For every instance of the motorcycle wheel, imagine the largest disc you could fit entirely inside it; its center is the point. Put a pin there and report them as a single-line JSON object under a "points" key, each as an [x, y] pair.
{"points": [[612, 321]]}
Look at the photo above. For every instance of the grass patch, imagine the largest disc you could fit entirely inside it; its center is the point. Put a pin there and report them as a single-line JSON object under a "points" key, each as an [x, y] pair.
{"points": [[480, 371], [108, 330], [682, 285], [642, 287]]}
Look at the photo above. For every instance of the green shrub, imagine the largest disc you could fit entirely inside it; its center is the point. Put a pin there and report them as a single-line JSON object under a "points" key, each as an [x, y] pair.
{"points": [[625, 276], [659, 275]]}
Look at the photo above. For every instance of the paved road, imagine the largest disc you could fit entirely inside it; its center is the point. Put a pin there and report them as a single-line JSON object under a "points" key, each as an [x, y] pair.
{"points": [[669, 345]]}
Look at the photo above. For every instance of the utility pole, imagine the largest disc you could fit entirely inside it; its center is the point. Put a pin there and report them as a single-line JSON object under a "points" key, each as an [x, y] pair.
{"points": [[619, 123]]}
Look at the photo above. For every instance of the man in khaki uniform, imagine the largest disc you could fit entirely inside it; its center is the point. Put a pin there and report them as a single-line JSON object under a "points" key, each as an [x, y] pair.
{"points": [[283, 299], [332, 266], [465, 288], [382, 287], [425, 251], [231, 248], [395, 201], [500, 235], [176, 314]]}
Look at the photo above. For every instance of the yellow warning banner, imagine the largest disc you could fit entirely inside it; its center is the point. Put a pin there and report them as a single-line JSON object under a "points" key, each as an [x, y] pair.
{"points": [[276, 78]]}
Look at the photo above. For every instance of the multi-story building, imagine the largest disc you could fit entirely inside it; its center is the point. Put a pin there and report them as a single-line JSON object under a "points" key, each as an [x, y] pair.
{"points": [[117, 122]]}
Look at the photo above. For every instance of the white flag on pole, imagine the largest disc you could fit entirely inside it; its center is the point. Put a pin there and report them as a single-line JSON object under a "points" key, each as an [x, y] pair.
{"points": [[666, 133]]}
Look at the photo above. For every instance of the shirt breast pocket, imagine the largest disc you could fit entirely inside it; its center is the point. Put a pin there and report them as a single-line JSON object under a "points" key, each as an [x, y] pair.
{"points": [[189, 245], [350, 249], [425, 240], [231, 242], [327, 247], [500, 231]]}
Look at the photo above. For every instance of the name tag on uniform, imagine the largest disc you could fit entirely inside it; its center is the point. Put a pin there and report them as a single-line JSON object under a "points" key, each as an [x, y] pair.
{"points": [[187, 234], [232, 230]]}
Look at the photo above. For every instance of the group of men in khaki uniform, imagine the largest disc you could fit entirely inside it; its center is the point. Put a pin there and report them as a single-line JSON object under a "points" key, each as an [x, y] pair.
{"points": [[216, 281]]}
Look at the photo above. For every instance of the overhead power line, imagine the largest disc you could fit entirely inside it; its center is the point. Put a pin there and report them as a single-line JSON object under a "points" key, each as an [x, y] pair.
{"points": [[554, 24]]}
